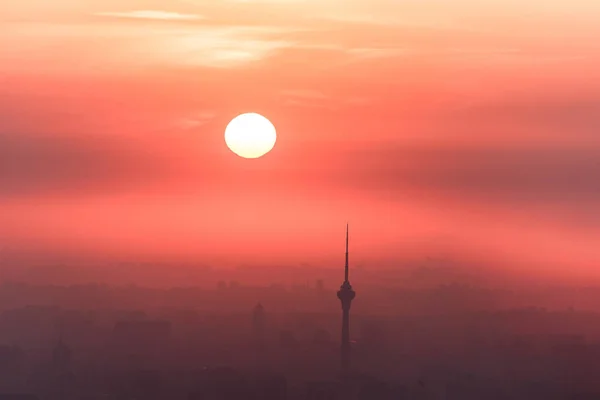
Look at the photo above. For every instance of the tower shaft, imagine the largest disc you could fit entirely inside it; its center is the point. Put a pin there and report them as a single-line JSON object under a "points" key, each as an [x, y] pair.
{"points": [[345, 347]]}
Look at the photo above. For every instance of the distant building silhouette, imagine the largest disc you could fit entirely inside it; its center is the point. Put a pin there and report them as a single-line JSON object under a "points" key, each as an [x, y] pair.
{"points": [[221, 384], [259, 326], [142, 384], [11, 368], [287, 339], [270, 388], [376, 391], [61, 357], [152, 332], [60, 382], [319, 285], [322, 391], [321, 293], [140, 343], [346, 295]]}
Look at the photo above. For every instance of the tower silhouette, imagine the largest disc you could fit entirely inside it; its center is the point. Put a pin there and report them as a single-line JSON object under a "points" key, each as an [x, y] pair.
{"points": [[346, 295]]}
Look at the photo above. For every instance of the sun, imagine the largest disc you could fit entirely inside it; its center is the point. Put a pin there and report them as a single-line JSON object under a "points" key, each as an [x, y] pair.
{"points": [[250, 135]]}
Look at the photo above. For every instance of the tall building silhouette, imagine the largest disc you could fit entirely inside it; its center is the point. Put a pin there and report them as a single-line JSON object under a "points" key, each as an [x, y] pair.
{"points": [[62, 379], [346, 295]]}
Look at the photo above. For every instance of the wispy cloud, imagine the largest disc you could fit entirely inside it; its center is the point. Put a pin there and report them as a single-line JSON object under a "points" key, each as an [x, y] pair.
{"points": [[304, 93], [363, 53], [219, 47], [358, 101], [382, 19], [151, 14], [317, 99], [195, 121], [307, 98], [138, 45]]}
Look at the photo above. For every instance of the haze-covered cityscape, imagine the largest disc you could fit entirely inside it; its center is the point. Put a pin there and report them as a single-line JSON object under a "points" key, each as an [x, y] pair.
{"points": [[421, 333]]}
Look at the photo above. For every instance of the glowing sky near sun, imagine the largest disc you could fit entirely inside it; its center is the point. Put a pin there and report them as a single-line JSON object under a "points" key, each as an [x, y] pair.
{"points": [[469, 127]]}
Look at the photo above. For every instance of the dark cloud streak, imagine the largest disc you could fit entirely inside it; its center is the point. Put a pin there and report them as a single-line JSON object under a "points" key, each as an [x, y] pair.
{"points": [[42, 165], [570, 114], [542, 174]]}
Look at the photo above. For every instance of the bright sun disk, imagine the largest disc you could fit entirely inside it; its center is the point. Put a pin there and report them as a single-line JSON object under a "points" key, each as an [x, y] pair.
{"points": [[250, 135]]}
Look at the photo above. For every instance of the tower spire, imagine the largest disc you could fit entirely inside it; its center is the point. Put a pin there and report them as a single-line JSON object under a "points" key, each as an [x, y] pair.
{"points": [[346, 265]]}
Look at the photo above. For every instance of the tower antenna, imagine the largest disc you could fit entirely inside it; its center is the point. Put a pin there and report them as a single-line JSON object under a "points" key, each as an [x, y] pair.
{"points": [[346, 265]]}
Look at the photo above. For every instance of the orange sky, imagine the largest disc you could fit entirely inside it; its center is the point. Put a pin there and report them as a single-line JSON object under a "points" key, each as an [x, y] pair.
{"points": [[463, 126]]}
